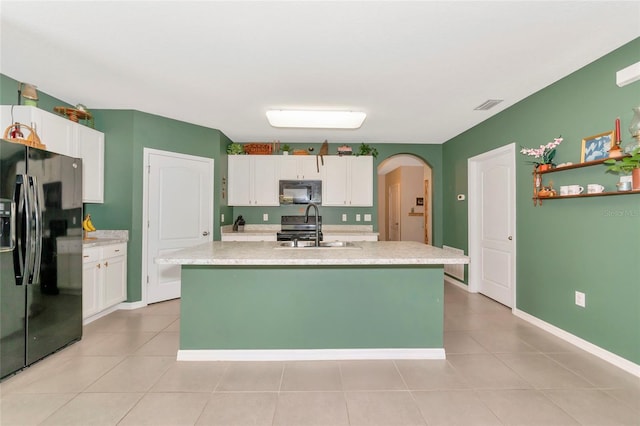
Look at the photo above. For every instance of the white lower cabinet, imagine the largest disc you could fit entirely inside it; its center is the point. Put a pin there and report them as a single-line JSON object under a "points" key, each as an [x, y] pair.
{"points": [[104, 278]]}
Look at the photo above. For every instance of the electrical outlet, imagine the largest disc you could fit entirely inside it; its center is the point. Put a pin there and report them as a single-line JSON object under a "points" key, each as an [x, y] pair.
{"points": [[367, 218], [344, 217], [265, 217], [222, 217], [358, 217], [581, 299]]}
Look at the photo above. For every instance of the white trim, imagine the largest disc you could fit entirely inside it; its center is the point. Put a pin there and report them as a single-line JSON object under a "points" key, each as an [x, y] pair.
{"points": [[474, 191], [605, 355], [451, 280], [129, 306], [309, 354], [99, 315]]}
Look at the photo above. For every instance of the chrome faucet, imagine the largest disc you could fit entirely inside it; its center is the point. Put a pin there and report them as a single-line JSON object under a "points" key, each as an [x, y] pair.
{"points": [[306, 220]]}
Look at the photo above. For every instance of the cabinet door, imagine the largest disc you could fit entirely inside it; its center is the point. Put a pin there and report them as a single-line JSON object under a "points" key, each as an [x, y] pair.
{"points": [[288, 165], [334, 184], [265, 181], [239, 180], [90, 147], [115, 280], [55, 132], [311, 167], [361, 181], [91, 276]]}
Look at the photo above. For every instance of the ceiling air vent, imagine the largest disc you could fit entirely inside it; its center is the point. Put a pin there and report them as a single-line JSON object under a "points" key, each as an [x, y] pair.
{"points": [[488, 104]]}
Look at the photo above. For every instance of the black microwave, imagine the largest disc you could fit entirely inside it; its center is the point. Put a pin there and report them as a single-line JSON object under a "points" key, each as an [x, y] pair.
{"points": [[300, 191]]}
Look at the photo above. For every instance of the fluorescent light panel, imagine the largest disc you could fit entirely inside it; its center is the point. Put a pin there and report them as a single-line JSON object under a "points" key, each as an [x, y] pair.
{"points": [[628, 75], [316, 119]]}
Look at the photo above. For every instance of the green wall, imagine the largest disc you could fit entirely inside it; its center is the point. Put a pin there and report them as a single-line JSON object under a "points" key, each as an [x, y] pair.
{"points": [[127, 134], [9, 95], [431, 154], [589, 244]]}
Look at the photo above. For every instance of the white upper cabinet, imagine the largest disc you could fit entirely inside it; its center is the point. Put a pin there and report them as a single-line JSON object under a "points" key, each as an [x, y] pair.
{"points": [[89, 145], [347, 181], [299, 167], [65, 137], [253, 180], [54, 131]]}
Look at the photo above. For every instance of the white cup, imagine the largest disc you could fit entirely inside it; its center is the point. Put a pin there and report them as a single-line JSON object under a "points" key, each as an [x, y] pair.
{"points": [[564, 190], [575, 189], [594, 188]]}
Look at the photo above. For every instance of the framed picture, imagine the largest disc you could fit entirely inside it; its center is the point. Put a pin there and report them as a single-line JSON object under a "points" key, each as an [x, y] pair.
{"points": [[420, 201], [596, 147]]}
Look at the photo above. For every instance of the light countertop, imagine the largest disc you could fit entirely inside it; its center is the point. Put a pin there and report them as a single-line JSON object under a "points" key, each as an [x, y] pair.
{"points": [[105, 237], [267, 253]]}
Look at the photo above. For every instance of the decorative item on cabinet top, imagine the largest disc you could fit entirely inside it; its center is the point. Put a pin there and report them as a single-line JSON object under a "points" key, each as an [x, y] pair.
{"points": [[13, 133], [80, 112]]}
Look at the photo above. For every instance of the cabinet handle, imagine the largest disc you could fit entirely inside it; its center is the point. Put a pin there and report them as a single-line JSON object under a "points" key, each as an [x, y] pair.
{"points": [[98, 266], [117, 250], [106, 264]]}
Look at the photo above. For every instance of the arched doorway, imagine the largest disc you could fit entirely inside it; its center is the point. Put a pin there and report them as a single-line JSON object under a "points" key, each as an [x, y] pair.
{"points": [[405, 199]]}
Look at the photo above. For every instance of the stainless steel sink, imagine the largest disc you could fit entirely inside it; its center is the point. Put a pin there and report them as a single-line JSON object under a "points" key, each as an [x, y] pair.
{"points": [[311, 244]]}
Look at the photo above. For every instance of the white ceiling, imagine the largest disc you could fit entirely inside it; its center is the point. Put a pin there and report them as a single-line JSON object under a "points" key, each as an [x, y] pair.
{"points": [[418, 69]]}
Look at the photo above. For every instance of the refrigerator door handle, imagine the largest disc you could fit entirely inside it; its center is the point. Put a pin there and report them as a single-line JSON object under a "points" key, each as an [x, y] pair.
{"points": [[21, 253], [34, 277]]}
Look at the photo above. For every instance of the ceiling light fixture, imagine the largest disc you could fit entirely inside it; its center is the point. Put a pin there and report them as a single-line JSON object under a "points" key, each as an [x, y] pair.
{"points": [[316, 119]]}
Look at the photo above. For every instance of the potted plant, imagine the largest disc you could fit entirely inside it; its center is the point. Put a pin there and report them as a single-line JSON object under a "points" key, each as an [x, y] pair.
{"points": [[544, 154], [285, 149], [366, 149], [627, 165], [235, 149]]}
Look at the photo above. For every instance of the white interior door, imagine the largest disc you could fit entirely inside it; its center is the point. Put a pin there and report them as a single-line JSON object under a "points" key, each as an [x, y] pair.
{"points": [[179, 214], [492, 224], [394, 212]]}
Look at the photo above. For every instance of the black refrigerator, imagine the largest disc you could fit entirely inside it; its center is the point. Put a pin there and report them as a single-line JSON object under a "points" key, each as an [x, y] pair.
{"points": [[40, 254]]}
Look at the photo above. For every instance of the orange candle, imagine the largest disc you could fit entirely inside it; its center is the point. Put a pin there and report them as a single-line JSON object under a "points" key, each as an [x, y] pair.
{"points": [[617, 135]]}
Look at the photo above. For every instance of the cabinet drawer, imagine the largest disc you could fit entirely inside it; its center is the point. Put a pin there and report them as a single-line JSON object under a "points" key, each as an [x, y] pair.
{"points": [[90, 255], [114, 250]]}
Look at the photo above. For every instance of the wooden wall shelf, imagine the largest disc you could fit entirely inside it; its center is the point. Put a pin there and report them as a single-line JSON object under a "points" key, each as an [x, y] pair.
{"points": [[537, 175]]}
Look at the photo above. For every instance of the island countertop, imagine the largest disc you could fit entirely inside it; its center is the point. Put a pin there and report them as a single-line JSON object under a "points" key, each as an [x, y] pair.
{"points": [[231, 253]]}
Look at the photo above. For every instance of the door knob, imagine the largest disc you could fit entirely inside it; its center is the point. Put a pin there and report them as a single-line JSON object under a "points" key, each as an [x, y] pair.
{"points": [[205, 233], [510, 238]]}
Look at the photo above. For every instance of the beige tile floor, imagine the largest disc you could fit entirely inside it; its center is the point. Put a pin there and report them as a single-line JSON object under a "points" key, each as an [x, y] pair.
{"points": [[499, 371]]}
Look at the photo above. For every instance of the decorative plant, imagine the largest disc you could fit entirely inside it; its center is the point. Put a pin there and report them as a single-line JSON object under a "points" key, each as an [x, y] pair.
{"points": [[545, 154], [625, 165], [285, 147], [366, 149], [235, 149]]}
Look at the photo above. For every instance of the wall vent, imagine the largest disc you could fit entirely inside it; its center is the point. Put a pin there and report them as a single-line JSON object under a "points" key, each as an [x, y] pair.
{"points": [[488, 104], [456, 271]]}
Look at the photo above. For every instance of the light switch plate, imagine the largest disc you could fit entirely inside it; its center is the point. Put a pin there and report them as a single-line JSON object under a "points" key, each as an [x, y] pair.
{"points": [[344, 217], [367, 218], [222, 217], [358, 218], [265, 217]]}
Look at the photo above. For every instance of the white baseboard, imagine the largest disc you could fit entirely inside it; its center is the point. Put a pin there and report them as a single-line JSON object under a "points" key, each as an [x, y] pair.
{"points": [[605, 355], [309, 354], [99, 315], [449, 279], [126, 306]]}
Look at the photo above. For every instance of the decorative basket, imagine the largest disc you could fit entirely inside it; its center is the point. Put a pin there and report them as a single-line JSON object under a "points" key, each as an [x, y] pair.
{"points": [[258, 148], [32, 140]]}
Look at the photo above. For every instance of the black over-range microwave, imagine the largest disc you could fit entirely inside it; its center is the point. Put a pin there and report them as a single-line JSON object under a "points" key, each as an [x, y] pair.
{"points": [[300, 191]]}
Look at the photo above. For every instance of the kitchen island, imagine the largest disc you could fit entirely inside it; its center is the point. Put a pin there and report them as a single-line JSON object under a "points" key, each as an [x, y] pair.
{"points": [[259, 301]]}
